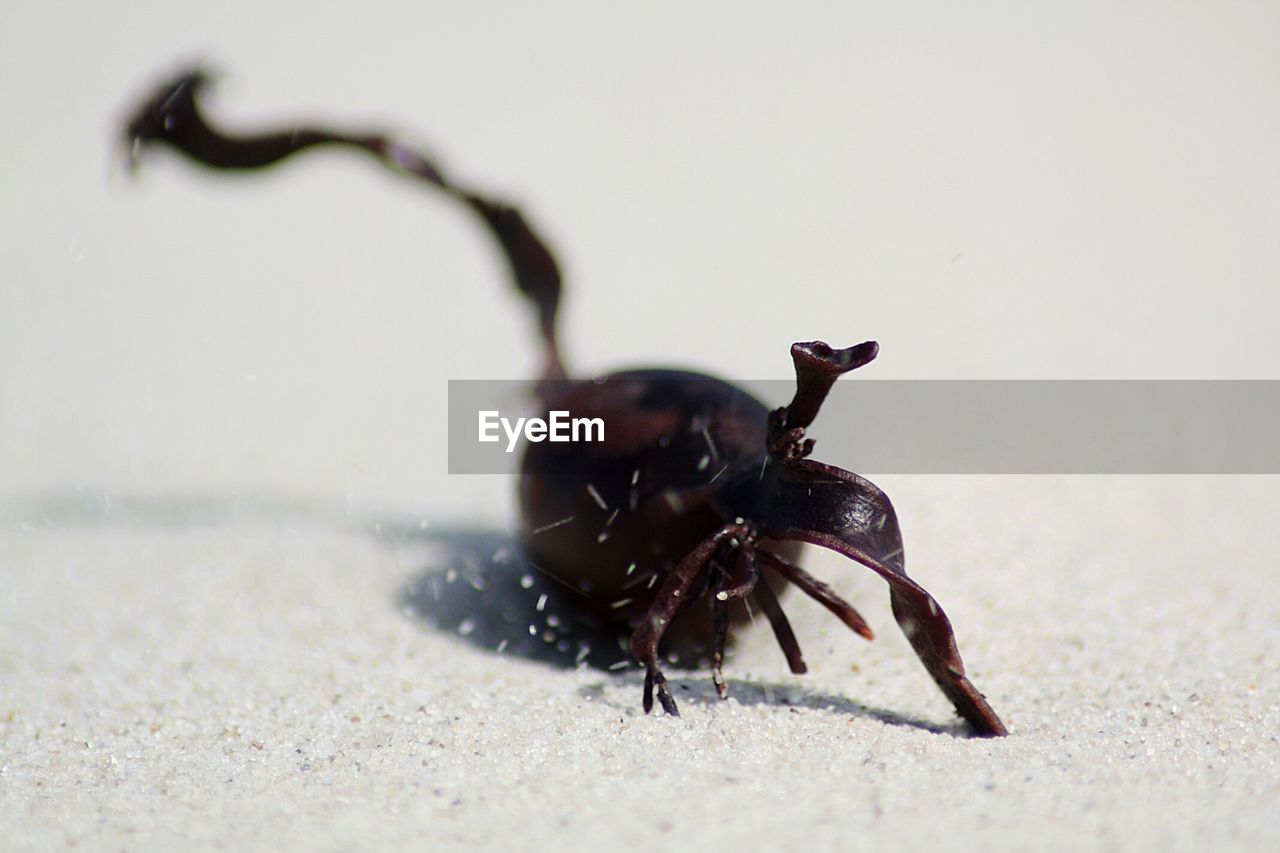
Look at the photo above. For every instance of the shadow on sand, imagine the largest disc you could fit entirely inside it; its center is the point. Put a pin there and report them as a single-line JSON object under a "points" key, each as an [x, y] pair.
{"points": [[476, 587]]}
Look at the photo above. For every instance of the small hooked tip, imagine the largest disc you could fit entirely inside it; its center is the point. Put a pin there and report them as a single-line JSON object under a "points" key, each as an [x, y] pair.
{"points": [[817, 368], [819, 357], [157, 116]]}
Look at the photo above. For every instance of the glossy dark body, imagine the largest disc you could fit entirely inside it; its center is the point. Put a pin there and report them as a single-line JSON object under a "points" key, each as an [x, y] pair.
{"points": [[611, 519]]}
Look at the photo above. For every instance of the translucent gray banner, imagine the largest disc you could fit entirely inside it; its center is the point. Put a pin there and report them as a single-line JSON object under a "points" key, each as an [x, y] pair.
{"points": [[952, 427]]}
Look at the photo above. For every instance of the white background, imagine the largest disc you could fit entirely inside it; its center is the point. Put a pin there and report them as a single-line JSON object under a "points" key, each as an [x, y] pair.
{"points": [[1089, 191]]}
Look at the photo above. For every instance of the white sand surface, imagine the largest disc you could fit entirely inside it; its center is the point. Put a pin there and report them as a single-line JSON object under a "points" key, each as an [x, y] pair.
{"points": [[242, 605], [247, 676]]}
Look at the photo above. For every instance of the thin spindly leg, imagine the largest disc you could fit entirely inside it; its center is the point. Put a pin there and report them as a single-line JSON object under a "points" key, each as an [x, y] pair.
{"points": [[781, 627], [819, 592], [674, 594], [746, 576], [719, 636], [172, 116]]}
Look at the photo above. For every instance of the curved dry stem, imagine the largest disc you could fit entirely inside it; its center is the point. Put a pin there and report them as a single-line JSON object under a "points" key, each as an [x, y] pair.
{"points": [[838, 510], [172, 116]]}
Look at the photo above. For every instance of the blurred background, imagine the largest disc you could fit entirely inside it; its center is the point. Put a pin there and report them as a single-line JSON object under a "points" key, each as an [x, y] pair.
{"points": [[993, 191]]}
